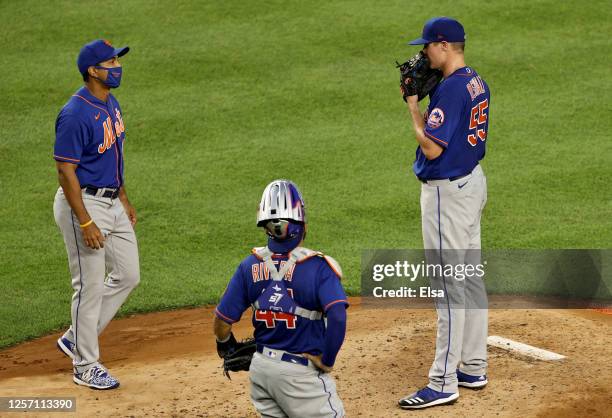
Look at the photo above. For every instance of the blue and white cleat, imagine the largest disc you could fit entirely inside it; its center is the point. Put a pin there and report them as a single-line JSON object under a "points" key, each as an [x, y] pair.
{"points": [[472, 382], [427, 397], [96, 378], [66, 347]]}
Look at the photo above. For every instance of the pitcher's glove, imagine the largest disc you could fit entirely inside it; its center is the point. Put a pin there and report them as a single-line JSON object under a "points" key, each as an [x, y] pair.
{"points": [[416, 77], [236, 356]]}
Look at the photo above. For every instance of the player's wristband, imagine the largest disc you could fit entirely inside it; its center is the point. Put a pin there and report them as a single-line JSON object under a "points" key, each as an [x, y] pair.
{"points": [[86, 224]]}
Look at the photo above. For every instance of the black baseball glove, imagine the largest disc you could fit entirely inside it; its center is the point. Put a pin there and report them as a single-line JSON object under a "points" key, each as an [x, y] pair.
{"points": [[416, 77], [236, 356]]}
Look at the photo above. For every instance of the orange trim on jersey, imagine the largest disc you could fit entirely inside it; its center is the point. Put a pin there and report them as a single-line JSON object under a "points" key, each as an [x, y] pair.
{"points": [[430, 136], [104, 110], [101, 108], [117, 159], [334, 302], [219, 314], [66, 158]]}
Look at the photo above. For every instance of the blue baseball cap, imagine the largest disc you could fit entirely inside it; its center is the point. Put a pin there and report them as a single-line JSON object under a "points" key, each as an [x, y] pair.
{"points": [[96, 52], [440, 29]]}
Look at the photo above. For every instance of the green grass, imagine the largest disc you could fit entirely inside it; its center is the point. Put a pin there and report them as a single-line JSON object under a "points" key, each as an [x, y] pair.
{"points": [[222, 97]]}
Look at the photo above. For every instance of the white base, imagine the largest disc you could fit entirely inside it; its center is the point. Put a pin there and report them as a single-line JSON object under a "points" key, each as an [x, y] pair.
{"points": [[523, 349]]}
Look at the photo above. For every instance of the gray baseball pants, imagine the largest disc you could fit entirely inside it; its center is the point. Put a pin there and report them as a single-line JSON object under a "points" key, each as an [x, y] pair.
{"points": [[451, 213], [102, 279], [280, 389]]}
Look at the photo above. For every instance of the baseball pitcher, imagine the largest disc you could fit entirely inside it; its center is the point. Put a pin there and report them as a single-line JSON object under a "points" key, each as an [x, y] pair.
{"points": [[451, 141]]}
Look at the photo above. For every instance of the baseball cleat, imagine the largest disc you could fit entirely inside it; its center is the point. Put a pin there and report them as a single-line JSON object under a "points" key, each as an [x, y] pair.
{"points": [[472, 382], [427, 397], [66, 347], [96, 378]]}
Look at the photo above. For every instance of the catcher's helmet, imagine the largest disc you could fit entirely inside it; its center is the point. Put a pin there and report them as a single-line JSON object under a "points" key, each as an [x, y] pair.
{"points": [[281, 207]]}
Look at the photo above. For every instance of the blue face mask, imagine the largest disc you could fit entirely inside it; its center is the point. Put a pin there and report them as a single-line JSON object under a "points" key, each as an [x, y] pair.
{"points": [[113, 79], [296, 232]]}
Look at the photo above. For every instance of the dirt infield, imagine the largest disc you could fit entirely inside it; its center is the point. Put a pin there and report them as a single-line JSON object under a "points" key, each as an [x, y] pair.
{"points": [[167, 365]]}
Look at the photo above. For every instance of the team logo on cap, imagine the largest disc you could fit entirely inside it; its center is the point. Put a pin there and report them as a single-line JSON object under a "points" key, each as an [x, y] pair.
{"points": [[106, 42], [436, 118]]}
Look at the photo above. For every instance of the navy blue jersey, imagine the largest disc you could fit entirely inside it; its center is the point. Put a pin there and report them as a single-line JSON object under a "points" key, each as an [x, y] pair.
{"points": [[90, 133], [457, 119], [312, 283]]}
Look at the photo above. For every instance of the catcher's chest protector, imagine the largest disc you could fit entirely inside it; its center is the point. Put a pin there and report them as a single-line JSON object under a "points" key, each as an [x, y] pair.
{"points": [[275, 297]]}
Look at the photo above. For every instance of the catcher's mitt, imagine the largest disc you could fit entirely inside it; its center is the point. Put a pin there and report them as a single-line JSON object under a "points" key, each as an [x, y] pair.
{"points": [[238, 358], [416, 77]]}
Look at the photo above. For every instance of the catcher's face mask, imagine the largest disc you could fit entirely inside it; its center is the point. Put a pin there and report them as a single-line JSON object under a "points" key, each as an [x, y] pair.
{"points": [[282, 229], [282, 214], [284, 235]]}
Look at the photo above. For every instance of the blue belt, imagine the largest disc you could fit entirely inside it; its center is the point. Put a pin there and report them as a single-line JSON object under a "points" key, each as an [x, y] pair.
{"points": [[287, 357]]}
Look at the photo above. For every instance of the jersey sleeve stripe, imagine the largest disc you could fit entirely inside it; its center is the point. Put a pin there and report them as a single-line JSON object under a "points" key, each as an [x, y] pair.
{"points": [[59, 157], [430, 136], [224, 318], [334, 302]]}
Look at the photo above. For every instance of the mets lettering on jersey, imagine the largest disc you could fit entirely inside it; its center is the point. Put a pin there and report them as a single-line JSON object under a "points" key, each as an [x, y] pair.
{"points": [[457, 120], [90, 133], [312, 284], [110, 135]]}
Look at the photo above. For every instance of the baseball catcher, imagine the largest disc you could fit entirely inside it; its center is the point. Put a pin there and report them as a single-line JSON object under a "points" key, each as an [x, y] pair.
{"points": [[298, 312], [417, 77]]}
